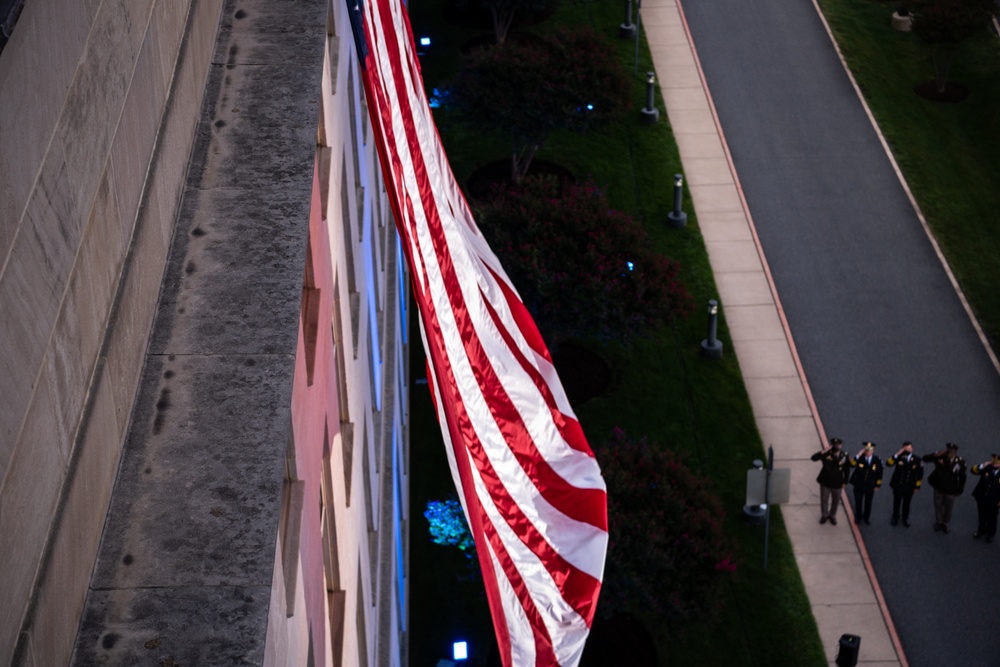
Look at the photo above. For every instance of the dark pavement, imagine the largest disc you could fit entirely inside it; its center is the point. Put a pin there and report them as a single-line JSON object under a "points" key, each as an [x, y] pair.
{"points": [[886, 345]]}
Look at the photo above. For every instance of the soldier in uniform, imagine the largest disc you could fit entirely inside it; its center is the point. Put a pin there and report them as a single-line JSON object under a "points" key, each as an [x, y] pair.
{"points": [[907, 476], [866, 479], [987, 495], [832, 478], [948, 480]]}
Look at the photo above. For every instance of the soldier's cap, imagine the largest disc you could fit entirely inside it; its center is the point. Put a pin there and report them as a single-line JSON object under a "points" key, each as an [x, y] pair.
{"points": [[952, 445], [836, 441], [869, 445], [996, 459]]}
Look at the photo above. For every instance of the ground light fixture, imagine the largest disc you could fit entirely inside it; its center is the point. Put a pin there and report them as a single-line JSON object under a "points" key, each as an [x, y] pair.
{"points": [[460, 651], [711, 347], [677, 218], [627, 29], [650, 114]]}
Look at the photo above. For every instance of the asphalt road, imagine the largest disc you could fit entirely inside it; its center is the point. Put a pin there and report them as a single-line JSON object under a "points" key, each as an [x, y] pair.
{"points": [[888, 350]]}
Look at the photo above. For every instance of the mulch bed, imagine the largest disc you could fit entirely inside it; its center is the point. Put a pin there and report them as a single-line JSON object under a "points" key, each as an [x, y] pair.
{"points": [[952, 93]]}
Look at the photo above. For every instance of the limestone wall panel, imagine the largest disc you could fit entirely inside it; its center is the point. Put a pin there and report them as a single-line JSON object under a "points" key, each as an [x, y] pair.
{"points": [[74, 548], [31, 290], [94, 102], [27, 500], [132, 321], [32, 102], [140, 119]]}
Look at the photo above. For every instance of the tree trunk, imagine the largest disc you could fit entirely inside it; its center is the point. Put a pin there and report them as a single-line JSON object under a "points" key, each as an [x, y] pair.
{"points": [[943, 55], [521, 162]]}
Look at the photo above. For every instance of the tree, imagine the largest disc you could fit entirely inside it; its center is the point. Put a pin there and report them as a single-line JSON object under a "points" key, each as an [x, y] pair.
{"points": [[667, 551], [503, 11], [945, 24], [581, 267], [571, 80]]}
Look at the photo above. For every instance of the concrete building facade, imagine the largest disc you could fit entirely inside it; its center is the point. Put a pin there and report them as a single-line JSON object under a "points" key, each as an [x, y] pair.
{"points": [[203, 411]]}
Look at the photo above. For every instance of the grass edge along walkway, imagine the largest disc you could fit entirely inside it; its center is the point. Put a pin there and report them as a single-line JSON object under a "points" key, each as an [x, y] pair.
{"points": [[663, 390]]}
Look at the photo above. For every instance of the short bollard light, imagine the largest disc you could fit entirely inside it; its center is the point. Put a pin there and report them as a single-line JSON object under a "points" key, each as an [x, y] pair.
{"points": [[677, 218], [650, 114], [711, 347], [627, 30]]}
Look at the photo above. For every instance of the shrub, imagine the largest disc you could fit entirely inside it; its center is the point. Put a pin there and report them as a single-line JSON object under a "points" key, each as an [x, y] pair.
{"points": [[667, 552], [526, 90], [581, 267]]}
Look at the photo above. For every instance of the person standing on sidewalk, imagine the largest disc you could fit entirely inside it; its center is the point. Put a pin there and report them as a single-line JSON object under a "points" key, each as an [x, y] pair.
{"points": [[987, 495], [948, 480], [866, 479], [832, 478], [907, 476]]}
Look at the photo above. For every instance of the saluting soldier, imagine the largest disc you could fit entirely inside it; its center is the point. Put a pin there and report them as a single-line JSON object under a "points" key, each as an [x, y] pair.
{"points": [[907, 476], [948, 480], [866, 479], [832, 478], [987, 495]]}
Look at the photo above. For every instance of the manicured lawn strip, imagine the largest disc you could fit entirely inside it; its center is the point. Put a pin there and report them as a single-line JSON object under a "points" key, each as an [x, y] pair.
{"points": [[949, 153], [662, 389]]}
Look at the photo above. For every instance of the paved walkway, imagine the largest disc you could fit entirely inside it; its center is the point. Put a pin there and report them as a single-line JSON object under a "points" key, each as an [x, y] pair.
{"points": [[832, 560]]}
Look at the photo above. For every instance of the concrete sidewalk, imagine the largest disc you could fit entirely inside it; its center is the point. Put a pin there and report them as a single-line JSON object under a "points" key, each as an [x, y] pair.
{"points": [[830, 558]]}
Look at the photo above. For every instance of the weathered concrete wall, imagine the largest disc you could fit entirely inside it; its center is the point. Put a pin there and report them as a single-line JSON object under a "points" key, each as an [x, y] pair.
{"points": [[100, 104], [186, 565]]}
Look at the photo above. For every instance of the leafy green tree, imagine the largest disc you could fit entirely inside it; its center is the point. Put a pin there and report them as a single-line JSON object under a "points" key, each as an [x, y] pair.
{"points": [[945, 24], [571, 80], [667, 552], [581, 267]]}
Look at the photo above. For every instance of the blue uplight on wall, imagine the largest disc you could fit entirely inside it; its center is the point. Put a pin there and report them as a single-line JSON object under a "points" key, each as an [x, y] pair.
{"points": [[630, 265]]}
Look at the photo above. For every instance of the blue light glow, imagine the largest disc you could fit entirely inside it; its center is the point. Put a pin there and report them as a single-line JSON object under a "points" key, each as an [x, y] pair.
{"points": [[590, 107], [630, 265], [425, 41], [459, 651]]}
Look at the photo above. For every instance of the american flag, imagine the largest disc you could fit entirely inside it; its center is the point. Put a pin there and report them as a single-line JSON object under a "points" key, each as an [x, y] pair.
{"points": [[530, 486]]}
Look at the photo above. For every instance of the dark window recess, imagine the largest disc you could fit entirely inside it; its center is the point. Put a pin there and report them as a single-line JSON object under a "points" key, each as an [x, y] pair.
{"points": [[10, 10]]}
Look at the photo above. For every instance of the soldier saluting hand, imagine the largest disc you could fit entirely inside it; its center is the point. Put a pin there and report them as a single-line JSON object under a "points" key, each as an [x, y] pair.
{"points": [[832, 478], [948, 480], [866, 479]]}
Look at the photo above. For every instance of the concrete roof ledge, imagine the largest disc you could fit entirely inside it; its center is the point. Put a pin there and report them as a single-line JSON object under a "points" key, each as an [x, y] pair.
{"points": [[185, 565]]}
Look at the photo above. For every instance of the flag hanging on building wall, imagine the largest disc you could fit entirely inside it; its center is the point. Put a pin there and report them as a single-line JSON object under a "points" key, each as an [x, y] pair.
{"points": [[530, 486]]}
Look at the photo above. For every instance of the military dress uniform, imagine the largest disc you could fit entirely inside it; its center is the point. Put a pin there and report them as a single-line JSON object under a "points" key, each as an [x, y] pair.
{"points": [[907, 476], [865, 478], [832, 478], [987, 495], [948, 481]]}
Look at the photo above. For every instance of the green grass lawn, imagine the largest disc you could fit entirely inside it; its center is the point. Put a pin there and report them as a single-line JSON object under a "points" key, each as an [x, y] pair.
{"points": [[662, 389], [949, 153]]}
